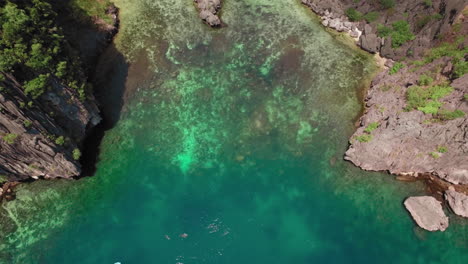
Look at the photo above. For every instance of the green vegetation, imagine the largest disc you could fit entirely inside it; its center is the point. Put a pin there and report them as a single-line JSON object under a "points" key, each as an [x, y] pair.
{"points": [[450, 50], [371, 127], [428, 3], [37, 86], [33, 47], [400, 33], [91, 8], [353, 14], [425, 80], [466, 97], [435, 155], [10, 138], [396, 68], [364, 138], [76, 154], [371, 16], [3, 178], [426, 99], [60, 141], [424, 20], [27, 123], [442, 149], [450, 115], [387, 3]]}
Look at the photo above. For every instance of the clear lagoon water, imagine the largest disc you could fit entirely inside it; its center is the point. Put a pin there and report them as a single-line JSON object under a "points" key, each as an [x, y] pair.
{"points": [[228, 150]]}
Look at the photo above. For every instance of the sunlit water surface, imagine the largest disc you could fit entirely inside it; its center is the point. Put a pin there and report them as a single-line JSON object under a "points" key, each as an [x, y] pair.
{"points": [[229, 150]]}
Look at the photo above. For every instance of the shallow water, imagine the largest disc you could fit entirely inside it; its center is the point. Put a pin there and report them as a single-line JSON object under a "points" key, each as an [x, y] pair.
{"points": [[235, 138]]}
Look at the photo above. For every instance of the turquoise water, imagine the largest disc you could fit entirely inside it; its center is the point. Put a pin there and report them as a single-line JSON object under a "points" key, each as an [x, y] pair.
{"points": [[233, 137]]}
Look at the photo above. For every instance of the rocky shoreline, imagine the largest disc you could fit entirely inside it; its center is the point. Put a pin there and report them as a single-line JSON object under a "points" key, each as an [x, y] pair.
{"points": [[430, 140], [42, 138]]}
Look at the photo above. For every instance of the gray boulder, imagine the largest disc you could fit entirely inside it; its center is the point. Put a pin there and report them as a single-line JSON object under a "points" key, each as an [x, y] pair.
{"points": [[427, 213], [457, 201], [370, 42], [208, 11]]}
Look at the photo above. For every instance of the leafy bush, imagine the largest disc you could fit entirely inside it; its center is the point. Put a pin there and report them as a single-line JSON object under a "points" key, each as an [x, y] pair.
{"points": [[371, 16], [364, 138], [425, 80], [426, 99], [60, 141], [10, 138], [428, 3], [451, 115], [37, 86], [387, 3], [3, 178], [442, 149], [434, 155], [32, 44], [430, 107], [383, 31], [371, 127], [400, 33], [451, 50], [437, 16], [396, 68], [353, 14], [76, 154], [27, 123]]}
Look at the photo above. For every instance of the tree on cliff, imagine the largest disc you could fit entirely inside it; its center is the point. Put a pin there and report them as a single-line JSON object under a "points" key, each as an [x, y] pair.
{"points": [[32, 47]]}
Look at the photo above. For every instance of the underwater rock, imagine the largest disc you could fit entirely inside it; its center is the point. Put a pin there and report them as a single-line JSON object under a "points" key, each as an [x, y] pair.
{"points": [[457, 201], [427, 213]]}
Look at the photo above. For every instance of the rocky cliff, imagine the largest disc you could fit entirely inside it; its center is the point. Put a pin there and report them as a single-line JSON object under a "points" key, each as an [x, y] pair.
{"points": [[41, 135], [415, 122]]}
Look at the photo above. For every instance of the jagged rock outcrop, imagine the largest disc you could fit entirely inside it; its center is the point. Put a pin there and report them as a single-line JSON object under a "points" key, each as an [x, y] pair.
{"points": [[209, 11], [41, 137], [427, 22], [33, 129], [427, 213], [406, 142], [457, 201]]}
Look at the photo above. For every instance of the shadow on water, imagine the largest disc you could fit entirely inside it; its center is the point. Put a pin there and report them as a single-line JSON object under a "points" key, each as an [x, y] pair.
{"points": [[109, 82], [106, 69]]}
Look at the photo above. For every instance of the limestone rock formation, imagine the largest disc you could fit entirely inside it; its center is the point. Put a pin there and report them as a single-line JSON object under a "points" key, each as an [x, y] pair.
{"points": [[208, 11], [408, 142], [29, 147], [427, 213], [457, 201]]}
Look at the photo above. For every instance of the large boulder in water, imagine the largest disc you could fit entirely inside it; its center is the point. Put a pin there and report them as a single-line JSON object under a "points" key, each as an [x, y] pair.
{"points": [[208, 11], [457, 201], [427, 213]]}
